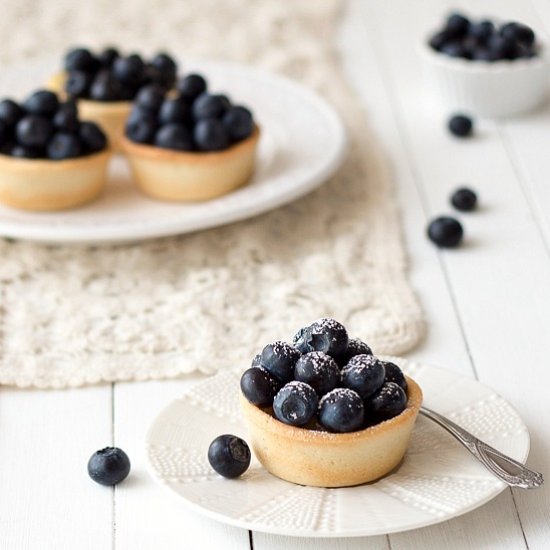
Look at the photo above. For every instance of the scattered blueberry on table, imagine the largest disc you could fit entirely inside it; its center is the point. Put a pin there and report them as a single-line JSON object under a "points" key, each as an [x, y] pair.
{"points": [[460, 125], [109, 466], [464, 199], [484, 40], [43, 127], [445, 232], [229, 455], [324, 381]]}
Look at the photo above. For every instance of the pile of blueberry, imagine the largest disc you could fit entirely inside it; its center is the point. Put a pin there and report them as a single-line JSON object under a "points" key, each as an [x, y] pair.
{"points": [[484, 40], [325, 381], [42, 127], [110, 76], [190, 119]]}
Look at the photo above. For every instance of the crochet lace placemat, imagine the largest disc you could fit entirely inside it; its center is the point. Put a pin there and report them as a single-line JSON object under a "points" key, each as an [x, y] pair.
{"points": [[81, 315]]}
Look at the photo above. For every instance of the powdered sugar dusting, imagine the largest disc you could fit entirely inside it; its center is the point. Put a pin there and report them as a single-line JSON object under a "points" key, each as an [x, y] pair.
{"points": [[344, 394], [284, 350], [319, 362], [362, 363]]}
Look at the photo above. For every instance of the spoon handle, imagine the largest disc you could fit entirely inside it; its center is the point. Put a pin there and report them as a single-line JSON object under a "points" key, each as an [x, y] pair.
{"points": [[505, 468]]}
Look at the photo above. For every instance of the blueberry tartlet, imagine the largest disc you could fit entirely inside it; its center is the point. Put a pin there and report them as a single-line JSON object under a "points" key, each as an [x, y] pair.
{"points": [[105, 84], [189, 145], [324, 411], [49, 158]]}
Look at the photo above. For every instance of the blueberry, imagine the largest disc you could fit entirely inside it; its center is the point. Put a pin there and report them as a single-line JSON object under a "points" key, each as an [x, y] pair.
{"points": [[481, 30], [105, 87], [279, 359], [460, 125], [78, 84], [229, 455], [302, 339], [238, 122], [150, 97], [33, 131], [518, 33], [138, 112], [355, 347], [109, 466], [319, 370], [394, 374], [166, 68], [329, 336], [341, 410], [141, 129], [389, 401], [438, 40], [22, 152], [210, 135], [209, 106], [258, 386], [5, 132], [11, 112], [257, 361], [295, 403], [174, 136], [64, 146], [41, 103], [92, 137], [457, 25], [464, 199], [191, 86], [80, 59], [107, 57], [129, 70], [174, 110], [484, 54], [501, 47], [363, 374], [66, 118], [445, 232], [454, 49]]}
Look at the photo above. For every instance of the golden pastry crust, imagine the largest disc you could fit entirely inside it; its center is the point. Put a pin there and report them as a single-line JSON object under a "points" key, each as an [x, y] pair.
{"points": [[188, 176], [43, 185], [110, 115], [324, 459]]}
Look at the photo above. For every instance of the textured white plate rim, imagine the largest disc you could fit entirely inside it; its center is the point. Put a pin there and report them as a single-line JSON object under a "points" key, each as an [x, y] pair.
{"points": [[327, 165], [249, 525]]}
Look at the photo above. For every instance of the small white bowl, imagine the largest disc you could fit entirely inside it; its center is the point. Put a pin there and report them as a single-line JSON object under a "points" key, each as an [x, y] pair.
{"points": [[488, 89]]}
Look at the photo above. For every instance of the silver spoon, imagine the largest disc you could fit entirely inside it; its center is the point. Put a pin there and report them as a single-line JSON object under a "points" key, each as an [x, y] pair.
{"points": [[505, 468]]}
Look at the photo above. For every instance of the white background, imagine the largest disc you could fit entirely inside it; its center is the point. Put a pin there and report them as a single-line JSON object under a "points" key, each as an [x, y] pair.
{"points": [[487, 305]]}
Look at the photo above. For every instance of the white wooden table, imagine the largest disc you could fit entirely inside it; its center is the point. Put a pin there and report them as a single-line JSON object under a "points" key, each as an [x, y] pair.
{"points": [[487, 305]]}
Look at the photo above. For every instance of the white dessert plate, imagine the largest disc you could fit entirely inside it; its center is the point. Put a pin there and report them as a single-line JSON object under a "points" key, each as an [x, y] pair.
{"points": [[438, 479], [302, 144]]}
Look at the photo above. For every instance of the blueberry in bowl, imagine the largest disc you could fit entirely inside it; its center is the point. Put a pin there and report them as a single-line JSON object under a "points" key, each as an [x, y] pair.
{"points": [[104, 83], [339, 421], [189, 144], [487, 67], [50, 159]]}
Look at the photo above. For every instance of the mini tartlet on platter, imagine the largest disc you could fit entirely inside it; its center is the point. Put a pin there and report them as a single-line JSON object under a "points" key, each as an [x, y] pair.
{"points": [[191, 176], [324, 459], [49, 158], [104, 84], [189, 144], [47, 185]]}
